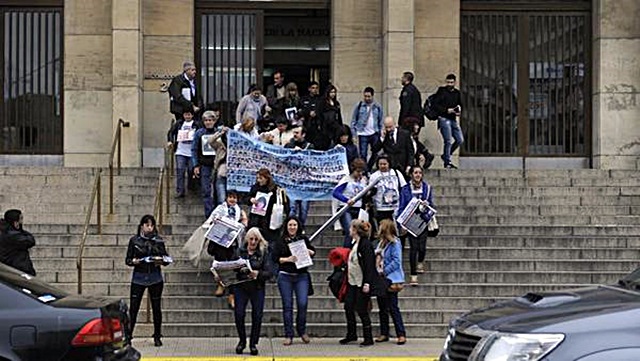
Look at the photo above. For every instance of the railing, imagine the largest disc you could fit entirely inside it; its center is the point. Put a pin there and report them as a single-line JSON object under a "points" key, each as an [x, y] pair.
{"points": [[115, 146], [95, 195]]}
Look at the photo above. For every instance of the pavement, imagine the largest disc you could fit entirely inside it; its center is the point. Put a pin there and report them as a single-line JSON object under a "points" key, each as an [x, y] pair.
{"points": [[271, 349]]}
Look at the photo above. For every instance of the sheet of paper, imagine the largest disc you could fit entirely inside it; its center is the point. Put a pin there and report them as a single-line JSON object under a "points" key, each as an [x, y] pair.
{"points": [[299, 249], [186, 93]]}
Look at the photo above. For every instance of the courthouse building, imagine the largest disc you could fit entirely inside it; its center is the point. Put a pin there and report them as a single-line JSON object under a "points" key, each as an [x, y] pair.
{"points": [[549, 84]]}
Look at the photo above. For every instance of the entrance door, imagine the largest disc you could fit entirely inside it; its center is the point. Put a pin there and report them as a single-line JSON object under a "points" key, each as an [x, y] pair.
{"points": [[229, 55], [526, 82]]}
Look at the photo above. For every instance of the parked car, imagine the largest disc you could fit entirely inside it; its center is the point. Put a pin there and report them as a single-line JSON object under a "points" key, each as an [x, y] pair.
{"points": [[41, 322], [600, 323]]}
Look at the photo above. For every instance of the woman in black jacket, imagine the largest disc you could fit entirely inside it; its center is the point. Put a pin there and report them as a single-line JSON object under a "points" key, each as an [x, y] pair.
{"points": [[293, 280], [251, 289], [363, 282], [262, 208], [146, 253], [330, 119]]}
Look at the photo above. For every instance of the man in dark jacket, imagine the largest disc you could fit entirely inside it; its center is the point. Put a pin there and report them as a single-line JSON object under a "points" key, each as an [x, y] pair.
{"points": [[397, 145], [410, 103], [15, 242], [448, 105], [309, 112], [183, 94]]}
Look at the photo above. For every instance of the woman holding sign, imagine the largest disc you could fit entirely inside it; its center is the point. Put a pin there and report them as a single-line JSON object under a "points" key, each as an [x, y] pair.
{"points": [[294, 277], [146, 253], [416, 188], [269, 204]]}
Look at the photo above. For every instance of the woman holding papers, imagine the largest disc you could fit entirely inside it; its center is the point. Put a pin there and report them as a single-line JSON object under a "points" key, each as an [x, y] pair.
{"points": [[251, 289], [389, 266], [416, 188], [363, 282], [146, 253], [263, 196], [294, 277]]}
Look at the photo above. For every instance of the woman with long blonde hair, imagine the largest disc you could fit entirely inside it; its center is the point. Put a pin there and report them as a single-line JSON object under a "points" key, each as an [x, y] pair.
{"points": [[389, 265]]}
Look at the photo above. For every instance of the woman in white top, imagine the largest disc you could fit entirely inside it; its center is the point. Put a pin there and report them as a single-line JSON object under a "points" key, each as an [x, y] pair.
{"points": [[386, 194]]}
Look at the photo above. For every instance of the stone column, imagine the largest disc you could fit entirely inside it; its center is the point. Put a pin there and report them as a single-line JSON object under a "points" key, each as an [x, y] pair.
{"points": [[87, 82], [398, 50], [127, 77], [168, 42], [616, 64], [437, 43], [356, 51]]}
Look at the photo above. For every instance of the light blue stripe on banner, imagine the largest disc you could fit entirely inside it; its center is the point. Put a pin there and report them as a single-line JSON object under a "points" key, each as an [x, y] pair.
{"points": [[305, 174]]}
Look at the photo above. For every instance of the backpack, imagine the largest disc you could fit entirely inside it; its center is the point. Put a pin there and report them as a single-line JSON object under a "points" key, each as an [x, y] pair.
{"points": [[428, 109]]}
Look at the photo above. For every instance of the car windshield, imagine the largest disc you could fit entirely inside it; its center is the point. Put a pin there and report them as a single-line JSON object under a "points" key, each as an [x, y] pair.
{"points": [[631, 281], [29, 285]]}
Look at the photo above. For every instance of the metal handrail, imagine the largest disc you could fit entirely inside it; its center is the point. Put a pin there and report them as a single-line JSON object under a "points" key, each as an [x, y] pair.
{"points": [[115, 146], [95, 194], [342, 210]]}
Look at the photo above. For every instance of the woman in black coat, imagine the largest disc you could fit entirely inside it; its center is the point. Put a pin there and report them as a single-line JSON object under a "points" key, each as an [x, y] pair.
{"points": [[363, 282], [262, 209], [146, 253], [330, 119]]}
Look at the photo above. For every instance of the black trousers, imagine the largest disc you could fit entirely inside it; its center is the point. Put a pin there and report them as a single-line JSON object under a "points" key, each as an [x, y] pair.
{"points": [[417, 251], [155, 294], [357, 302]]}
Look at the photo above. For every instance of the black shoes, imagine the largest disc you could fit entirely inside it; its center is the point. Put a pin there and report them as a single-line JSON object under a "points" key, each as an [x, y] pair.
{"points": [[348, 339], [366, 343], [253, 350], [240, 347], [157, 341]]}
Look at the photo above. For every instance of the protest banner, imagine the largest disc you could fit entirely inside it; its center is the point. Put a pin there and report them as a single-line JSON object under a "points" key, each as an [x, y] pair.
{"points": [[305, 174]]}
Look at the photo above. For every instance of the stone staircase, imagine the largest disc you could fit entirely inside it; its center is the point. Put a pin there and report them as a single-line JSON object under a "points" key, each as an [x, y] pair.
{"points": [[503, 233]]}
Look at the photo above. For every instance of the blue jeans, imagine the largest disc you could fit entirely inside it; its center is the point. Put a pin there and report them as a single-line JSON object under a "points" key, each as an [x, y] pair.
{"points": [[345, 223], [183, 165], [242, 298], [205, 184], [389, 304], [300, 209], [450, 129], [365, 142], [221, 189], [288, 284]]}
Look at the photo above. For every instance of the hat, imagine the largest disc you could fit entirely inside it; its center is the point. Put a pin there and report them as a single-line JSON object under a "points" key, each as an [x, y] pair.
{"points": [[12, 215]]}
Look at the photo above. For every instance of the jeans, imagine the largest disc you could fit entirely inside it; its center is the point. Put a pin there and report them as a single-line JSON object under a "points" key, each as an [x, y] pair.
{"points": [[242, 298], [183, 165], [288, 284], [417, 251], [345, 223], [450, 128], [221, 189], [388, 304], [155, 294], [300, 209], [205, 184], [365, 142]]}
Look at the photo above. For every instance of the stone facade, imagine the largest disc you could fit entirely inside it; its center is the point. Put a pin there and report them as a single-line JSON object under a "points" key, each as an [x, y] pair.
{"points": [[118, 53]]}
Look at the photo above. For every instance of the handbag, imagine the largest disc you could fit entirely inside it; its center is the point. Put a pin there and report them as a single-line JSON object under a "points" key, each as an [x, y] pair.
{"points": [[277, 212], [432, 227], [395, 287]]}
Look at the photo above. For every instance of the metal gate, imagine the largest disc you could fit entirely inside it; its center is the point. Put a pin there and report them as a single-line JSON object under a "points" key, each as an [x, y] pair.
{"points": [[31, 68], [525, 81], [230, 57]]}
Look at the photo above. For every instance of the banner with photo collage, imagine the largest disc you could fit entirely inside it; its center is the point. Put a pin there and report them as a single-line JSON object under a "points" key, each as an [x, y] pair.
{"points": [[305, 174]]}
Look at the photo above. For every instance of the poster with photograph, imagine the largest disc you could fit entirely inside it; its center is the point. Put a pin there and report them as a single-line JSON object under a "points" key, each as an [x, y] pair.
{"points": [[231, 272], [207, 148], [262, 201], [290, 113], [224, 231], [301, 252], [415, 217]]}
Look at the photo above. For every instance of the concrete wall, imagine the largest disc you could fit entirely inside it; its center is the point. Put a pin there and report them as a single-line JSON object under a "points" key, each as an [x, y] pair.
{"points": [[616, 84]]}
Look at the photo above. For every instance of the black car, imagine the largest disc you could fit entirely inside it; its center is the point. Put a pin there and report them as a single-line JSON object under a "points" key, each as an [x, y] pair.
{"points": [[600, 323], [40, 322]]}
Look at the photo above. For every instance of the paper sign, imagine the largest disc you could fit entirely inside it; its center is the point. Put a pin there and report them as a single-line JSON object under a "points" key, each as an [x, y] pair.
{"points": [[299, 249]]}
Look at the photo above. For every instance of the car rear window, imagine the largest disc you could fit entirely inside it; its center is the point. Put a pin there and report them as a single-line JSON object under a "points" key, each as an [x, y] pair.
{"points": [[30, 285]]}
